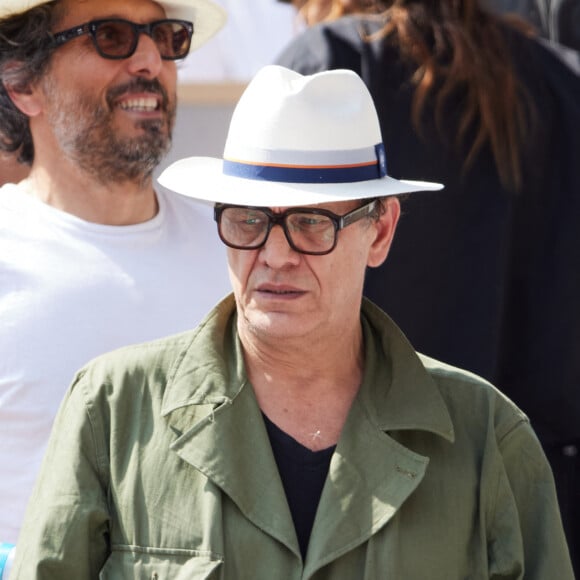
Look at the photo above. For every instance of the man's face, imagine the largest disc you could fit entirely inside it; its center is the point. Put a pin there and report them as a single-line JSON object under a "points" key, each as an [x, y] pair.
{"points": [[282, 294], [114, 118]]}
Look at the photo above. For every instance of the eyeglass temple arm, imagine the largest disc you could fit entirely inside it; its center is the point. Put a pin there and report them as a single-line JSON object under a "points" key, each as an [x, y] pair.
{"points": [[358, 214], [66, 35]]}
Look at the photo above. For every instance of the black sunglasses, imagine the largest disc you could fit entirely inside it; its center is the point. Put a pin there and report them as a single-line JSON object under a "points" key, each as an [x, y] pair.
{"points": [[115, 38]]}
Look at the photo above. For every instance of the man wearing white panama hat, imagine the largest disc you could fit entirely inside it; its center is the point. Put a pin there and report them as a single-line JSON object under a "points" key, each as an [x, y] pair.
{"points": [[91, 256], [295, 433]]}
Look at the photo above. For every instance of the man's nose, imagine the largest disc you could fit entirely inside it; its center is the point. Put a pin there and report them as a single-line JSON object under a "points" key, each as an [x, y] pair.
{"points": [[277, 252], [146, 61]]}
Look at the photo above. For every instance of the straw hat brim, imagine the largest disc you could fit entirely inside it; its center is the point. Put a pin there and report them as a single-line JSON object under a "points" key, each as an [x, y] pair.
{"points": [[202, 178]]}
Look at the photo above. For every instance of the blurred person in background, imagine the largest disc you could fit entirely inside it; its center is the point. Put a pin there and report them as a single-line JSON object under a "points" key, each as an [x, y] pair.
{"points": [[486, 274], [557, 21], [92, 256]]}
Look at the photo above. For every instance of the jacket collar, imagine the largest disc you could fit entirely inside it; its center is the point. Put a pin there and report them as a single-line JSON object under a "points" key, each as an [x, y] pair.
{"points": [[209, 370], [397, 391]]}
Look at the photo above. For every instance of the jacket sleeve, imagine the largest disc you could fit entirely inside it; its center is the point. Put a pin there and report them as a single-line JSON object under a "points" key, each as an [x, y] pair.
{"points": [[65, 531], [526, 482]]}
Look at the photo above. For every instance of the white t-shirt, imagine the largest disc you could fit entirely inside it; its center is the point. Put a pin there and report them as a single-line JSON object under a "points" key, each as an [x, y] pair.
{"points": [[71, 290]]}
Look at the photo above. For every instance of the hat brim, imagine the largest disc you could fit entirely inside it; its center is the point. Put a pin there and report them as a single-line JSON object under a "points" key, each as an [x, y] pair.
{"points": [[202, 178]]}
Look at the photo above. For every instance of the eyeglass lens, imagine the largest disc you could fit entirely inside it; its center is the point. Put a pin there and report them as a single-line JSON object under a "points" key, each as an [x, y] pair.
{"points": [[118, 38], [307, 232]]}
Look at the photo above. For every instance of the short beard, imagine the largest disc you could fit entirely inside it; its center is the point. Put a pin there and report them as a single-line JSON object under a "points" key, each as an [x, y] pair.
{"points": [[86, 133]]}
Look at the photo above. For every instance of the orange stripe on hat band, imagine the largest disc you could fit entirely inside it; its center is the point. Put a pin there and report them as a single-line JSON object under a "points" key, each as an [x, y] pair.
{"points": [[268, 170]]}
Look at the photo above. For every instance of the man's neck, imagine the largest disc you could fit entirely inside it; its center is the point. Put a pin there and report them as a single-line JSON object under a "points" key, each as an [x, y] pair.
{"points": [[115, 203], [307, 394]]}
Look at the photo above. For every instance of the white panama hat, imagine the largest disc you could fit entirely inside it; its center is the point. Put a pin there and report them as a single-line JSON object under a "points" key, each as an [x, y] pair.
{"points": [[207, 16], [295, 140]]}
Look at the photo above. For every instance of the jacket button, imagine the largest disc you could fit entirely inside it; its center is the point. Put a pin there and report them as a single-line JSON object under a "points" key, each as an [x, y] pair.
{"points": [[570, 450]]}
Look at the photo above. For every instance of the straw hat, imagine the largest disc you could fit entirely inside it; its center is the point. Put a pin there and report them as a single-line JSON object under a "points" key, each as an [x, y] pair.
{"points": [[207, 16], [296, 140]]}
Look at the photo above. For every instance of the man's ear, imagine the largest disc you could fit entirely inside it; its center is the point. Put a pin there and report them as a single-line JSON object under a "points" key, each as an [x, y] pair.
{"points": [[25, 96], [385, 226]]}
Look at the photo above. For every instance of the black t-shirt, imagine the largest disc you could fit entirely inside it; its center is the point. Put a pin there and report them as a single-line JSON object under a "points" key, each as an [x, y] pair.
{"points": [[303, 473]]}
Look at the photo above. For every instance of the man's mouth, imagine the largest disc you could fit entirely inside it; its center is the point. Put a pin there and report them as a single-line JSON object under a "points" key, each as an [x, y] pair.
{"points": [[279, 291], [141, 104]]}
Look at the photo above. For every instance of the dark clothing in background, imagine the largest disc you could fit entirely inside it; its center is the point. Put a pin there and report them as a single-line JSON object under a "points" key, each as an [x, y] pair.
{"points": [[556, 20], [478, 276]]}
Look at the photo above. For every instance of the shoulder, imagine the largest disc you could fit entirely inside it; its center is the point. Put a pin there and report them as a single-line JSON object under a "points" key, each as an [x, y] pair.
{"points": [[146, 369], [11, 198], [128, 370], [540, 63], [178, 203], [20, 214], [486, 422], [190, 225], [336, 44], [473, 401], [421, 384]]}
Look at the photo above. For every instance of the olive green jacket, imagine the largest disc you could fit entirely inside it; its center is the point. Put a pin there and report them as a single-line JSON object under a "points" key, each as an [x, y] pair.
{"points": [[159, 467]]}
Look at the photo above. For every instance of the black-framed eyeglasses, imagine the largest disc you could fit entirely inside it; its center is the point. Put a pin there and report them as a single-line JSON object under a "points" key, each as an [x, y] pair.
{"points": [[308, 230], [116, 38]]}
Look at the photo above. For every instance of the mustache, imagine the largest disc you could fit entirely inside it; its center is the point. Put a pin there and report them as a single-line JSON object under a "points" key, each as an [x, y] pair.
{"points": [[139, 85]]}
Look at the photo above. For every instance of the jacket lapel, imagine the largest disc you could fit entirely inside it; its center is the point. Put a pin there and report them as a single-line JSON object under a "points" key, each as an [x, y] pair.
{"points": [[220, 431], [231, 448], [370, 477]]}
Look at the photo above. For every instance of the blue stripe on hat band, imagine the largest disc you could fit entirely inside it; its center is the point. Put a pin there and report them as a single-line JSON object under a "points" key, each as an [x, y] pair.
{"points": [[305, 174]]}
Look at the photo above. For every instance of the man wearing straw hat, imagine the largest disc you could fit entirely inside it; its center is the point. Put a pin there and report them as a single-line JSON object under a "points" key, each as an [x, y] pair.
{"points": [[91, 256], [295, 433]]}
